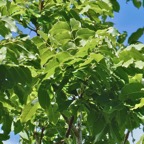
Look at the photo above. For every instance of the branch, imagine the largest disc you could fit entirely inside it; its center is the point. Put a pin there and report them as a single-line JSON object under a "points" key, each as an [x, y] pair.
{"points": [[41, 5], [69, 126], [72, 126], [126, 137], [42, 134]]}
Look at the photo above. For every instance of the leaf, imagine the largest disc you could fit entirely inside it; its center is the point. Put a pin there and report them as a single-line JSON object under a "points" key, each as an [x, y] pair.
{"points": [[7, 122], [59, 27], [85, 33], [115, 5], [98, 57], [28, 112], [131, 91], [53, 113], [128, 63], [57, 60], [138, 47], [62, 37], [137, 3], [3, 52], [18, 127], [43, 96], [139, 64], [3, 137], [141, 104], [43, 35], [46, 55], [9, 23], [136, 35], [22, 92], [75, 25], [136, 78], [85, 9], [2, 3]]}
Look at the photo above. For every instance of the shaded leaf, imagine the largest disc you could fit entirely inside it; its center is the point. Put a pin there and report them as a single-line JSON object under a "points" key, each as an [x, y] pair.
{"points": [[43, 96], [115, 5], [136, 35]]}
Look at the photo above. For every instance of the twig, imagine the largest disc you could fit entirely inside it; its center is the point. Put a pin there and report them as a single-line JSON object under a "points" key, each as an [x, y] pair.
{"points": [[126, 137], [69, 126], [42, 134], [74, 129]]}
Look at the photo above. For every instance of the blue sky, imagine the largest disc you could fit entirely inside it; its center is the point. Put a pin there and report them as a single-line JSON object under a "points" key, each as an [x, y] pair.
{"points": [[128, 19]]}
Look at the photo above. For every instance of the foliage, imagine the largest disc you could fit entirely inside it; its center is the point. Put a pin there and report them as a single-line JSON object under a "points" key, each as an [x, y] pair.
{"points": [[74, 81]]}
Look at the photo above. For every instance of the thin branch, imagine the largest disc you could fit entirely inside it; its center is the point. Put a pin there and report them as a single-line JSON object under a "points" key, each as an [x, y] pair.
{"points": [[74, 129], [42, 134], [41, 5], [126, 137], [69, 126]]}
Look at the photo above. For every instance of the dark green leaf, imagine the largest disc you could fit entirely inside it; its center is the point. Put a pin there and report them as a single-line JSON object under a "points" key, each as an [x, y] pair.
{"points": [[115, 5], [43, 96], [136, 35], [137, 3]]}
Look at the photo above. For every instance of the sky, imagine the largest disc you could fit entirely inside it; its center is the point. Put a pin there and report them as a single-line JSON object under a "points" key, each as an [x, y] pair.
{"points": [[128, 19]]}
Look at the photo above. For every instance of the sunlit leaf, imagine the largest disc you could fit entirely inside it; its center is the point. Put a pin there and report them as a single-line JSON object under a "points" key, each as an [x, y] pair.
{"points": [[141, 104], [28, 111], [85, 33]]}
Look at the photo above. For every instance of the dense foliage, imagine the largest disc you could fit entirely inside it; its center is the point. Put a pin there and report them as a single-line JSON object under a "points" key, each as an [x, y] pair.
{"points": [[74, 81]]}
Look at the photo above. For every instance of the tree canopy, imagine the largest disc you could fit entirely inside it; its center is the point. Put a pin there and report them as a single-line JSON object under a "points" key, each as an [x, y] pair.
{"points": [[73, 82]]}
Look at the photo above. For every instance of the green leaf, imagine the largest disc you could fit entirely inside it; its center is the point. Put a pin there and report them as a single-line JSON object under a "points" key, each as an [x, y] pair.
{"points": [[3, 52], [131, 91], [43, 96], [22, 92], [115, 4], [137, 3], [59, 27], [7, 122], [57, 60], [140, 105], [9, 23], [128, 63], [18, 127], [29, 111], [43, 35], [85, 33], [3, 137], [136, 78], [97, 57], [138, 47], [53, 113], [139, 64], [2, 3], [136, 35], [75, 25], [61, 38]]}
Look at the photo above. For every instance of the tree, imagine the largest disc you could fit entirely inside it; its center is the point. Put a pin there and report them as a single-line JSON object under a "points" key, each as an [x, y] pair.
{"points": [[74, 81]]}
